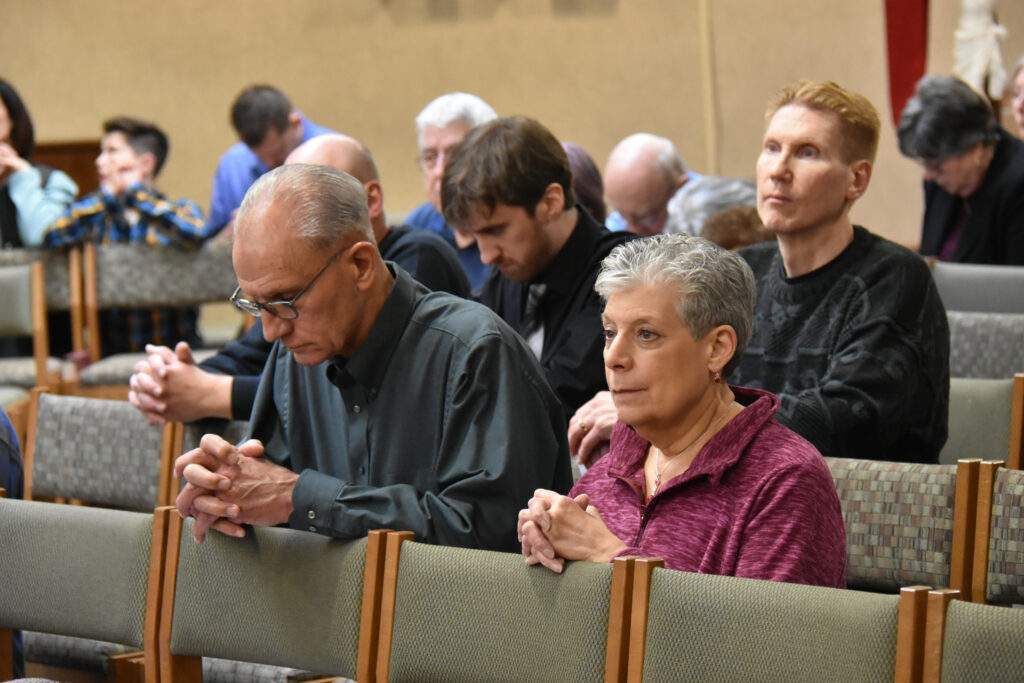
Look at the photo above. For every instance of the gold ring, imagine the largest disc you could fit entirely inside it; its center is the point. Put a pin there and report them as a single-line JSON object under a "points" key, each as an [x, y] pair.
{"points": [[585, 426]]}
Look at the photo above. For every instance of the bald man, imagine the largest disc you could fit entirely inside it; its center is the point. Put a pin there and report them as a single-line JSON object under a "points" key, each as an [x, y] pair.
{"points": [[643, 173], [170, 386]]}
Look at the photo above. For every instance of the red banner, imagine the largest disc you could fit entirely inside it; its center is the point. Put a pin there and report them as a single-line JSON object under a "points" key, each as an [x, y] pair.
{"points": [[906, 29]]}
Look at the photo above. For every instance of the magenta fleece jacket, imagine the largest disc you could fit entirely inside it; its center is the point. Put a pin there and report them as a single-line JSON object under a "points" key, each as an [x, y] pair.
{"points": [[757, 502]]}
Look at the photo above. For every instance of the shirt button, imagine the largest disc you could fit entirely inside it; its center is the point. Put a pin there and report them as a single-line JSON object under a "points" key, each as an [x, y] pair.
{"points": [[356, 409], [311, 514], [312, 528]]}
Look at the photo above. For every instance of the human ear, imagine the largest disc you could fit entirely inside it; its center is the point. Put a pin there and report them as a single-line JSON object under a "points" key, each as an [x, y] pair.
{"points": [[551, 203], [721, 341], [860, 176], [374, 198], [365, 259]]}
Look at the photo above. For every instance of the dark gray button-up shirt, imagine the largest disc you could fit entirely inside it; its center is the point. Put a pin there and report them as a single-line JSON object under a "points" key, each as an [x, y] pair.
{"points": [[441, 423]]}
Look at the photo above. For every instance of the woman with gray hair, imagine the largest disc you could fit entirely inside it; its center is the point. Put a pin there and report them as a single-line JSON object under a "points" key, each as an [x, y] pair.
{"points": [[973, 174], [699, 473]]}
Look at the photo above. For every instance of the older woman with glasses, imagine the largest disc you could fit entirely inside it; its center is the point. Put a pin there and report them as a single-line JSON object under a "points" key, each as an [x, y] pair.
{"points": [[973, 174], [699, 473]]}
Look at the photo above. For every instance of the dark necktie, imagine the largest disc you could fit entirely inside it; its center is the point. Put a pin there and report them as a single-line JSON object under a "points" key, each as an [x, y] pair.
{"points": [[531, 315]]}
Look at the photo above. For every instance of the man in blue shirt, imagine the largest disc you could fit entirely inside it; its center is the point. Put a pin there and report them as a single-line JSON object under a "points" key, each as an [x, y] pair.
{"points": [[269, 128], [440, 126]]}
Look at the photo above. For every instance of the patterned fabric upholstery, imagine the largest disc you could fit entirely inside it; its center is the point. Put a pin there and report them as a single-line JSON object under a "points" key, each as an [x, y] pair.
{"points": [[21, 372], [58, 297], [987, 345], [66, 651], [979, 419], [719, 628], [461, 612], [9, 395], [96, 450], [226, 671], [118, 369], [899, 522], [1006, 544], [140, 275], [982, 288], [74, 570], [983, 644], [293, 599]]}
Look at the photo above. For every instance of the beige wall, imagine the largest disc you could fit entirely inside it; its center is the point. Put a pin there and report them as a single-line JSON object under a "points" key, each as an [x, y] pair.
{"points": [[592, 70]]}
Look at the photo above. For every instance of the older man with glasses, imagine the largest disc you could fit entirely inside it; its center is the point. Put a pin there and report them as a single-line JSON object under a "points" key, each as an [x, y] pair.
{"points": [[169, 386], [382, 404]]}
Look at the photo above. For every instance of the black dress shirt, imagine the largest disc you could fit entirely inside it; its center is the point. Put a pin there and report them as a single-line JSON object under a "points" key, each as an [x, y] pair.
{"points": [[572, 356], [440, 423]]}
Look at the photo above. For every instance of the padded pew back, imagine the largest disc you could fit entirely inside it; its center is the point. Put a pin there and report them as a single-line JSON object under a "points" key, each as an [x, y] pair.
{"points": [[899, 521], [715, 628], [74, 571], [979, 419], [100, 451], [469, 615], [982, 644], [278, 596]]}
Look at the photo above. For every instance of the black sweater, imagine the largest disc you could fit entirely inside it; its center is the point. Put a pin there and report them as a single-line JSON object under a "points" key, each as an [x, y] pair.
{"points": [[858, 351]]}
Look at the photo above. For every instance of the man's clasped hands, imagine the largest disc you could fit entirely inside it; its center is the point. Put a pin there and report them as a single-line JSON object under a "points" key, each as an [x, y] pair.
{"points": [[228, 486]]}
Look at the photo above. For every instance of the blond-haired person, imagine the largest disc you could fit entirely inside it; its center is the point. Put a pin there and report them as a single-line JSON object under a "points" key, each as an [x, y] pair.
{"points": [[849, 329]]}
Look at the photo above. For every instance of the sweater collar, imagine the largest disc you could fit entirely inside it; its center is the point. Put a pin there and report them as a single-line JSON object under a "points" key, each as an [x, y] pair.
{"points": [[718, 455]]}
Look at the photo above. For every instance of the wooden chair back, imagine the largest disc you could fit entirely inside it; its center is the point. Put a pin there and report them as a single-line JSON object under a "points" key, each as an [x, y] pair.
{"points": [[907, 524], [970, 642], [461, 615], [97, 451], [142, 276], [83, 572], [978, 287], [278, 596], [702, 627]]}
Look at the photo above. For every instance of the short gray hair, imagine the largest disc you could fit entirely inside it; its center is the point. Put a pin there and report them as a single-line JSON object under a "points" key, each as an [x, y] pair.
{"points": [[715, 286], [701, 198], [944, 118], [452, 107], [325, 205]]}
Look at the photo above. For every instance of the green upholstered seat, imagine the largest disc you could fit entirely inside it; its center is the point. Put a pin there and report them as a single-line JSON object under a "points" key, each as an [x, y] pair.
{"points": [[983, 644], [278, 597], [716, 628], [469, 615], [74, 571], [979, 419]]}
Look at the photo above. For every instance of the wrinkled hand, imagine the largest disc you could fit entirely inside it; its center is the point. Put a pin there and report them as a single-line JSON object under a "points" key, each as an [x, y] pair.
{"points": [[590, 429], [229, 486], [169, 386], [555, 527]]}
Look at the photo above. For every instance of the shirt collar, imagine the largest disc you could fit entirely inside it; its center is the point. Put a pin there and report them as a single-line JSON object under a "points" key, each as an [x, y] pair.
{"points": [[719, 454], [369, 363], [577, 252]]}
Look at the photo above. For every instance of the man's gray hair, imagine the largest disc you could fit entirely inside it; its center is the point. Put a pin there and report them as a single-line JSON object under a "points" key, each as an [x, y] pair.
{"points": [[703, 197], [452, 107], [714, 286], [325, 205], [668, 159]]}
